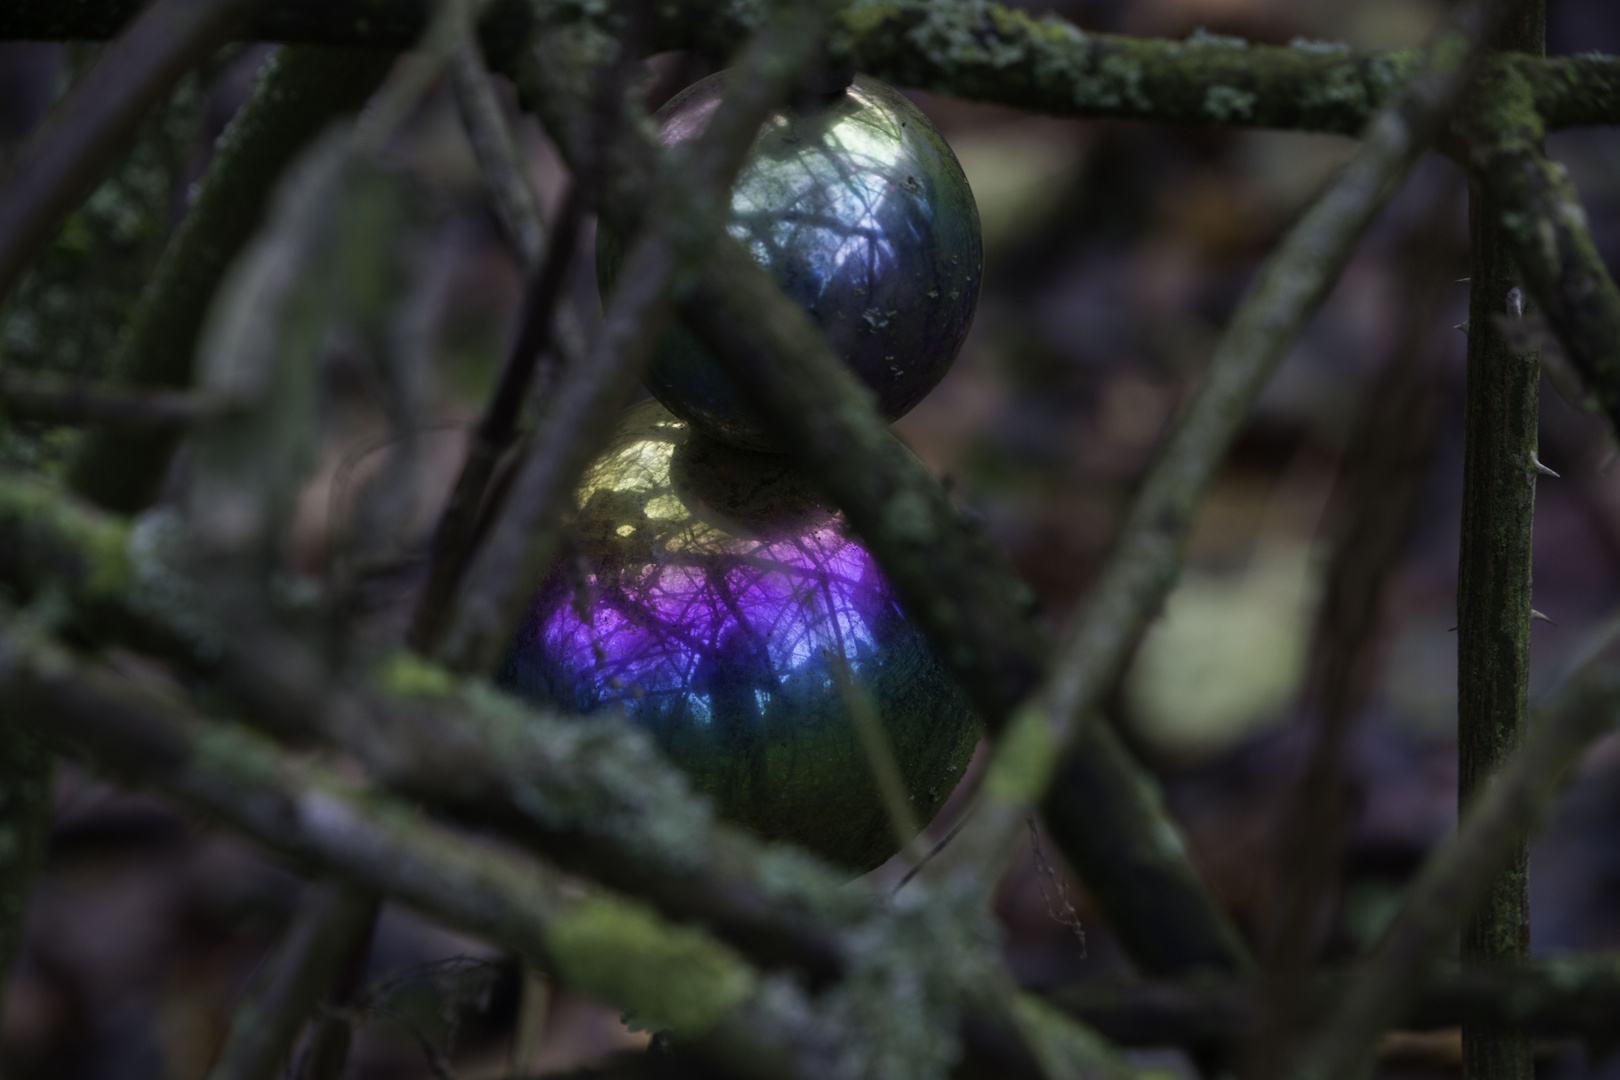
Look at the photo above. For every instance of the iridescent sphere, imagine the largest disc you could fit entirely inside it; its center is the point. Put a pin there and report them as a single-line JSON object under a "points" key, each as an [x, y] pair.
{"points": [[711, 595], [861, 213]]}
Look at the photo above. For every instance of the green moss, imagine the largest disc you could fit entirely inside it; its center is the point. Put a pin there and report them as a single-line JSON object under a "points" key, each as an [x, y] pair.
{"points": [[668, 978], [1024, 758], [405, 674], [98, 544]]}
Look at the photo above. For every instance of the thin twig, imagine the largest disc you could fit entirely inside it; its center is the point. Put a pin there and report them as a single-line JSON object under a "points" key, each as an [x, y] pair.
{"points": [[297, 978], [84, 133], [60, 401], [494, 433], [517, 205], [878, 750], [1373, 503], [1451, 880]]}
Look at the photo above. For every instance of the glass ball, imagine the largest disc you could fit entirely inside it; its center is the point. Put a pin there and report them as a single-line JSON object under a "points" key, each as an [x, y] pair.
{"points": [[861, 213], [711, 595]]}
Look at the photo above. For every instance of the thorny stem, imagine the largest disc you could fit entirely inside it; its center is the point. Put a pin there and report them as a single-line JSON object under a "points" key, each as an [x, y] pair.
{"points": [[1454, 877], [302, 90], [1493, 577]]}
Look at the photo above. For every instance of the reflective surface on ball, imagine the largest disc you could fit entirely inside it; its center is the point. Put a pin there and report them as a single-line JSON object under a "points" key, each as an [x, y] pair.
{"points": [[711, 595], [861, 213]]}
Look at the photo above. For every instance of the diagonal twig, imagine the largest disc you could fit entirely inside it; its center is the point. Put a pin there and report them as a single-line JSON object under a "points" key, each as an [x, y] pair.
{"points": [[1388, 981], [1541, 218], [1057, 735], [496, 430]]}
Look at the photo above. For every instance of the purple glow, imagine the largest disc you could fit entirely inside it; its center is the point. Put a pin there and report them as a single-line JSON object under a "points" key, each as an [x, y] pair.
{"points": [[654, 630]]}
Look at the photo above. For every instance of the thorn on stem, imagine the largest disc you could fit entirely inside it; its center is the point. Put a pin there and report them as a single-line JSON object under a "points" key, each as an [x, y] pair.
{"points": [[1535, 615], [1542, 469]]}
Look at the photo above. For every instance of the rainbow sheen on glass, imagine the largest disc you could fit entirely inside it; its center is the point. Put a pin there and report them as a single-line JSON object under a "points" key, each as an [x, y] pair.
{"points": [[861, 213], [710, 594]]}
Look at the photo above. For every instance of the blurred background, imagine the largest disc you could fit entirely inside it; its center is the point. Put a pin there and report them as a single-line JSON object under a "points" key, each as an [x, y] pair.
{"points": [[1115, 252]]}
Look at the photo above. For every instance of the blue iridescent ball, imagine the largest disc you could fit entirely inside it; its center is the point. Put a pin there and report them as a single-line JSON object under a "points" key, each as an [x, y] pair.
{"points": [[861, 213], [714, 598]]}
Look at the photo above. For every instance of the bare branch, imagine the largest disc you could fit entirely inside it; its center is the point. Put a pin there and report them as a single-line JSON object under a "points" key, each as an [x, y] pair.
{"points": [[84, 133], [301, 90], [517, 206], [493, 436]]}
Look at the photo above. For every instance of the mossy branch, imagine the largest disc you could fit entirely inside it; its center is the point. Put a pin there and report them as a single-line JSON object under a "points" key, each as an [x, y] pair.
{"points": [[608, 947], [968, 49], [595, 796], [1537, 213]]}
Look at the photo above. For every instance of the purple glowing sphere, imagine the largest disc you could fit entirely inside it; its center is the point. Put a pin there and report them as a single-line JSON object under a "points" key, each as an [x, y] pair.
{"points": [[711, 595]]}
